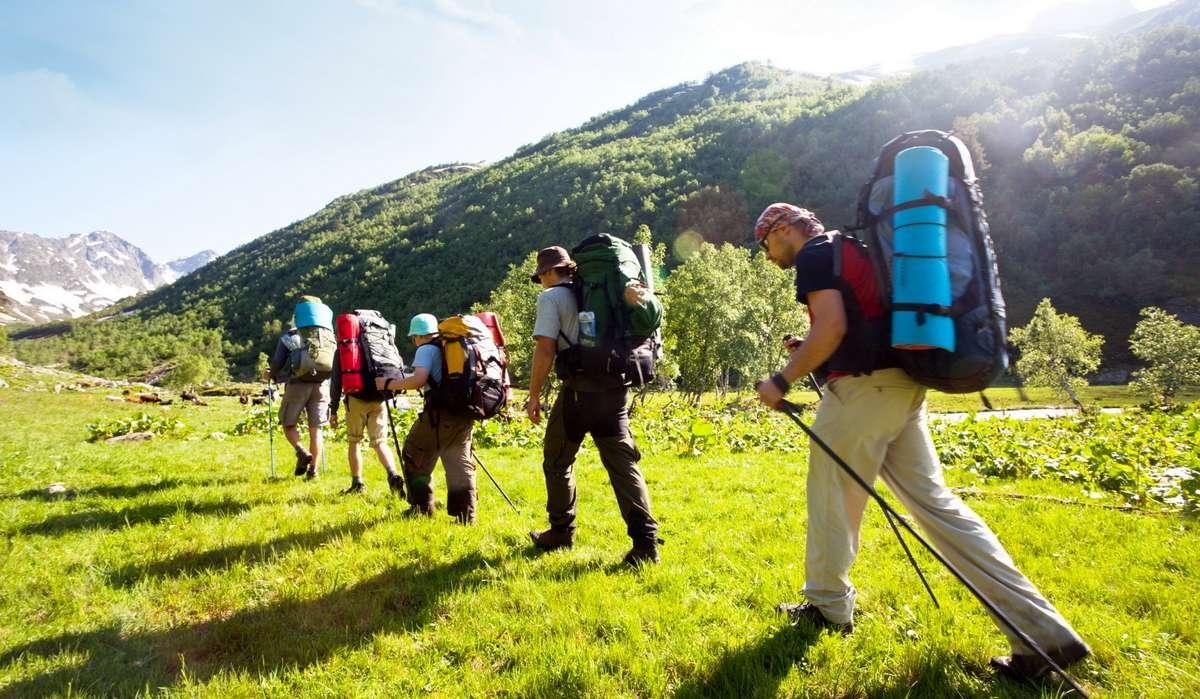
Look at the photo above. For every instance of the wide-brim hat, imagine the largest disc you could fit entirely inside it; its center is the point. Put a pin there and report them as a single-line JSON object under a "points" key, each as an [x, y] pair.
{"points": [[548, 259]]}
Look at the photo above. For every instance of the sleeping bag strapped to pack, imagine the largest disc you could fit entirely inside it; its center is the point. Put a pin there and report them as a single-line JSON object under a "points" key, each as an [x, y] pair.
{"points": [[492, 321], [976, 306], [311, 344], [366, 345], [473, 370], [615, 338]]}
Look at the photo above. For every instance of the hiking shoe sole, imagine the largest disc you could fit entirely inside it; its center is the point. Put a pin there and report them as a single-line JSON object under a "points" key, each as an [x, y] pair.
{"points": [[805, 612]]}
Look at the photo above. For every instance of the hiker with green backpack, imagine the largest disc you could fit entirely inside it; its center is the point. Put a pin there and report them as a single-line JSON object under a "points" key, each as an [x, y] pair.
{"points": [[595, 316], [873, 415], [303, 358]]}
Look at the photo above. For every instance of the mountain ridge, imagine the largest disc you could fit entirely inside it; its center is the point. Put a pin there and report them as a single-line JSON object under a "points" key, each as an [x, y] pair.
{"points": [[46, 279], [1072, 151]]}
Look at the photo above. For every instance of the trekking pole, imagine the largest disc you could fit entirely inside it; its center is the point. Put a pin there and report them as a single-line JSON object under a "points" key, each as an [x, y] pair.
{"points": [[489, 475], [271, 424], [791, 410], [387, 404]]}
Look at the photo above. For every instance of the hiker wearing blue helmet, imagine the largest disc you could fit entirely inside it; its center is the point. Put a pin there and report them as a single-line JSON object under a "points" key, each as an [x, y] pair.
{"points": [[436, 434]]}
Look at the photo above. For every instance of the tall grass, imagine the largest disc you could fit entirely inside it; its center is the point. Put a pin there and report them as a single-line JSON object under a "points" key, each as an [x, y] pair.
{"points": [[178, 567]]}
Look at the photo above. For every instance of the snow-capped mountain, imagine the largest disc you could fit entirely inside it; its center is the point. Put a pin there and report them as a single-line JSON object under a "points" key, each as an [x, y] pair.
{"points": [[43, 279]]}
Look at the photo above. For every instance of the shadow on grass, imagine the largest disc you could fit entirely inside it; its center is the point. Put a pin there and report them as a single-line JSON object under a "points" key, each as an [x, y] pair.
{"points": [[131, 490], [757, 669], [291, 634], [217, 559], [130, 516]]}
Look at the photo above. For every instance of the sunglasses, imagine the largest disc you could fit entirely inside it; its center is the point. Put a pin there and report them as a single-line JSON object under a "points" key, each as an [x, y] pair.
{"points": [[763, 243]]}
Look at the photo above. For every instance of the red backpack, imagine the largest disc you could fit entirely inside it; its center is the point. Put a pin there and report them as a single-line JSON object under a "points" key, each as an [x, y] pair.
{"points": [[366, 347]]}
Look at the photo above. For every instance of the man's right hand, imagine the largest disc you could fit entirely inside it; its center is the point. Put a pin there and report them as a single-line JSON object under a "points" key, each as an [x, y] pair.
{"points": [[533, 408], [333, 420]]}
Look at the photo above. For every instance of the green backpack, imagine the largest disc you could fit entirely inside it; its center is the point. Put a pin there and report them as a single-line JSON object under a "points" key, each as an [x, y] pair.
{"points": [[615, 338], [310, 352]]}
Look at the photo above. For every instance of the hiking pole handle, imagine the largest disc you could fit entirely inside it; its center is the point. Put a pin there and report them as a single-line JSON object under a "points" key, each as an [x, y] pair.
{"points": [[791, 410]]}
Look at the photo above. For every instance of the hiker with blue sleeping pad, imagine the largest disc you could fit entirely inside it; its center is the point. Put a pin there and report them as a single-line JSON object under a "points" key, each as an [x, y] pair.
{"points": [[594, 317], [873, 414], [303, 358]]}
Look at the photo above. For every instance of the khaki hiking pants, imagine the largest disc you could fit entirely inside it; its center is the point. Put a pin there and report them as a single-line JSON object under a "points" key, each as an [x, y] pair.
{"points": [[438, 434], [879, 426]]}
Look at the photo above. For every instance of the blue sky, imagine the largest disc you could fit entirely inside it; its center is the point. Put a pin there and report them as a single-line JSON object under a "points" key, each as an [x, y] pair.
{"points": [[189, 125]]}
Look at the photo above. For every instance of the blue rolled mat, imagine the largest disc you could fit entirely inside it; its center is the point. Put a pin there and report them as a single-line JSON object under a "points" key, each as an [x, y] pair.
{"points": [[309, 314], [919, 170]]}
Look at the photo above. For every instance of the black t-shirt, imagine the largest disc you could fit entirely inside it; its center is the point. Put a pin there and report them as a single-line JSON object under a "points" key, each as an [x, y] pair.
{"points": [[814, 268]]}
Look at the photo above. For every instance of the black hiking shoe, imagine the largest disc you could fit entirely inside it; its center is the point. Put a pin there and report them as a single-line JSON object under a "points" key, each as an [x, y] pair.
{"points": [[396, 484], [303, 459], [1029, 668], [642, 554], [416, 511], [807, 613], [552, 539], [355, 488], [311, 473]]}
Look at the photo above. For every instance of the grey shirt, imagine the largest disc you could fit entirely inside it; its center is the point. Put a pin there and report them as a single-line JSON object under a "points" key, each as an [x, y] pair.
{"points": [[557, 312]]}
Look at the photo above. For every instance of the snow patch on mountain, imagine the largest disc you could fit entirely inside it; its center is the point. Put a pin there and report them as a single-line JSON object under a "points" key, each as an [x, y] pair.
{"points": [[46, 279]]}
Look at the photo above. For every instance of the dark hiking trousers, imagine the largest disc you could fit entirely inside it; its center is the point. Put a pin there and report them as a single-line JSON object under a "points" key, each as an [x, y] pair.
{"points": [[605, 416]]}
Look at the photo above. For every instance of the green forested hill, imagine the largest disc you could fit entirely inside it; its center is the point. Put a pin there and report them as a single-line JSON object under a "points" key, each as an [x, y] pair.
{"points": [[1090, 162]]}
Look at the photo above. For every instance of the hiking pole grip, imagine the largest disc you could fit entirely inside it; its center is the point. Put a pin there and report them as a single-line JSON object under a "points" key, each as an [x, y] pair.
{"points": [[792, 410]]}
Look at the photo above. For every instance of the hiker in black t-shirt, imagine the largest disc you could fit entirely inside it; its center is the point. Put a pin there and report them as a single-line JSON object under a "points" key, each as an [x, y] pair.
{"points": [[874, 416]]}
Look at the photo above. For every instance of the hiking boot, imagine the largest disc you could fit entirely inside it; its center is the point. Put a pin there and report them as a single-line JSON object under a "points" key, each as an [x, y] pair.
{"points": [[355, 488], [641, 554], [806, 612], [303, 459], [551, 539], [396, 484], [311, 473], [1021, 667], [415, 511]]}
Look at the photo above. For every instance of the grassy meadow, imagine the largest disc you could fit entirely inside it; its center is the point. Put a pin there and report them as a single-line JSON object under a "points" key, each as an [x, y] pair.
{"points": [[178, 566]]}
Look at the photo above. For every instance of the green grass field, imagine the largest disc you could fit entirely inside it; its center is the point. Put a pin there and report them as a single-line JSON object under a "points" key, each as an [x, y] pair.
{"points": [[178, 567]]}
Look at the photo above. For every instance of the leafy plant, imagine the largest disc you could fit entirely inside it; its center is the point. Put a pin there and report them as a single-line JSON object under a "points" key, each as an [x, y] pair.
{"points": [[142, 422]]}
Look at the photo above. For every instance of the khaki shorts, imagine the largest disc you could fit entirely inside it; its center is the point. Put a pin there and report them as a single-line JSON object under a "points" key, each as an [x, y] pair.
{"points": [[372, 414], [307, 397]]}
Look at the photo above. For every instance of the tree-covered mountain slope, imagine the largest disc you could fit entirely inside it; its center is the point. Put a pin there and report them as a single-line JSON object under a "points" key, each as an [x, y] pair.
{"points": [[1090, 166]]}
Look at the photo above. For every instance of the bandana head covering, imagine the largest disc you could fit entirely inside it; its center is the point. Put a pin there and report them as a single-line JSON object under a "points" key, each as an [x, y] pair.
{"points": [[781, 213]]}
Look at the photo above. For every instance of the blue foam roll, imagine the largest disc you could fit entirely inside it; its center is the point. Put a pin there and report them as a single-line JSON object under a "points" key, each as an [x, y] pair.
{"points": [[921, 239], [309, 314], [918, 170], [921, 280], [937, 332]]}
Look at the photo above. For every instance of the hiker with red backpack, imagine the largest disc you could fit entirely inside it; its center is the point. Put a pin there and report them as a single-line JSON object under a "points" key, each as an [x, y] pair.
{"points": [[303, 358], [438, 433], [874, 416], [366, 350], [592, 399]]}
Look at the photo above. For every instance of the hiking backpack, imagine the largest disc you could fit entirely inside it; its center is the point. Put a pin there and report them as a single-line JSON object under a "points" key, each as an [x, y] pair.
{"points": [[977, 306], [615, 339], [311, 347], [474, 370], [366, 349]]}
